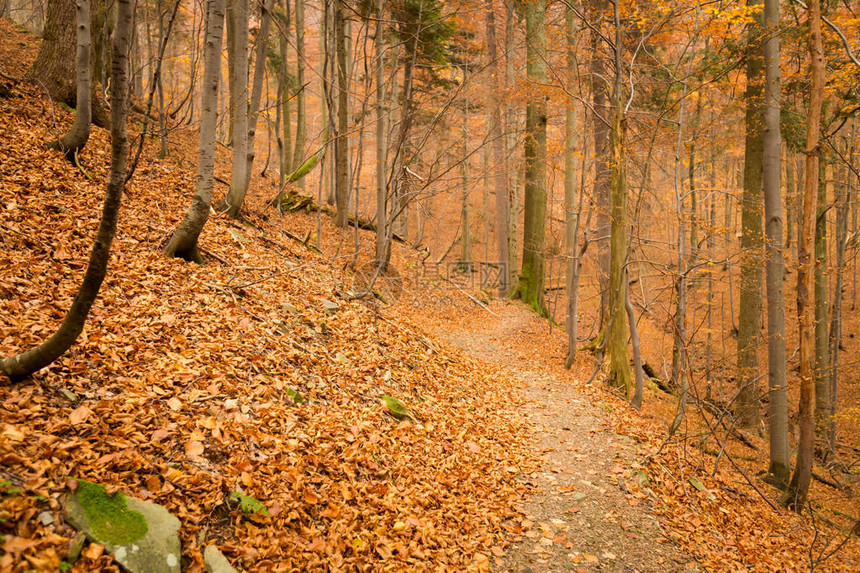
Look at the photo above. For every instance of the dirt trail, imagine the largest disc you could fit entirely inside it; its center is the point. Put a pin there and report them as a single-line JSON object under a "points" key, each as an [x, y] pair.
{"points": [[582, 518]]}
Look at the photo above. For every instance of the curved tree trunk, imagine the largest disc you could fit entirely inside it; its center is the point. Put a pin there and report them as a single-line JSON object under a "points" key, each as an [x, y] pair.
{"points": [[76, 138], [22, 365], [184, 241]]}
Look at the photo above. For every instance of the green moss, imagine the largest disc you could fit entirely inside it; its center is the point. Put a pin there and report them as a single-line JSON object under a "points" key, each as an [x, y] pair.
{"points": [[250, 505], [109, 517]]}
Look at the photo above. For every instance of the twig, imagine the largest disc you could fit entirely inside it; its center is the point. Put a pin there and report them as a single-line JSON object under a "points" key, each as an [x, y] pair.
{"points": [[472, 298]]}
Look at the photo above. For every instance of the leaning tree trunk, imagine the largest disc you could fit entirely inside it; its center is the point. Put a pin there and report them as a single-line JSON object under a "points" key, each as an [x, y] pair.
{"points": [[22, 365], [798, 488], [184, 241], [239, 98], [257, 88], [54, 67], [531, 282], [774, 269], [76, 138], [749, 318]]}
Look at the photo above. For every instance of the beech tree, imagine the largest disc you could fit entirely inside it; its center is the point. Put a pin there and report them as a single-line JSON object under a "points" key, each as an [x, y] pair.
{"points": [[798, 488], [183, 243], [531, 281], [76, 138], [24, 364]]}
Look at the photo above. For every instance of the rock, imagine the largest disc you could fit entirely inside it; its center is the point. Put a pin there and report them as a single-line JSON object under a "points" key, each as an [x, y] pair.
{"points": [[46, 518], [330, 307], [75, 546], [290, 308], [216, 562], [142, 536]]}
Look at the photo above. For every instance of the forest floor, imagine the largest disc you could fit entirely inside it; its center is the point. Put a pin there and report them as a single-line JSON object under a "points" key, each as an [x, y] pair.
{"points": [[181, 390], [583, 514]]}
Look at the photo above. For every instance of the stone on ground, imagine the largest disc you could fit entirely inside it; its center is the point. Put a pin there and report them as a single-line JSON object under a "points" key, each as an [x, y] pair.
{"points": [[215, 561], [142, 536]]}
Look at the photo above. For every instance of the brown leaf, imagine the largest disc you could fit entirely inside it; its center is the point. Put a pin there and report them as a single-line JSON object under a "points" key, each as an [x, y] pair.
{"points": [[79, 415]]}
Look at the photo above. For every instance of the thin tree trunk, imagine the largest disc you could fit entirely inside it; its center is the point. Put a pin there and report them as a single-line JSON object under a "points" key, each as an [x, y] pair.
{"points": [[639, 387], [843, 200], [257, 87], [510, 128], [183, 243], [381, 155], [22, 365], [341, 143], [774, 267], [798, 488], [570, 208], [821, 286], [76, 138], [749, 316], [239, 97], [498, 165], [286, 89], [465, 240], [531, 283], [301, 115]]}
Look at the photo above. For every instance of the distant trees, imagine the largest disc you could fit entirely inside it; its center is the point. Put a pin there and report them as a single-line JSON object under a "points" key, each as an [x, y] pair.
{"points": [[24, 364]]}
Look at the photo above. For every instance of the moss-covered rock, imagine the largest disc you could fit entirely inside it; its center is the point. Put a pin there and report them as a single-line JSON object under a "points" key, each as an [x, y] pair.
{"points": [[142, 536]]}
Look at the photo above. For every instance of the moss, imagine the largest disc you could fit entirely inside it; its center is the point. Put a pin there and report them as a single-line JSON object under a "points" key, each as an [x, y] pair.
{"points": [[108, 516]]}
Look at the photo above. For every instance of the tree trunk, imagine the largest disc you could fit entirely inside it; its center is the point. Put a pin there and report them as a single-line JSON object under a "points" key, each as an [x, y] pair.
{"points": [[22, 365], [76, 138], [232, 58], [54, 69], [183, 243], [749, 316], [843, 200], [775, 268], [510, 147], [531, 282], [619, 359], [798, 489], [601, 185], [381, 156], [497, 144], [570, 208], [466, 238], [239, 102], [257, 87], [300, 142], [341, 142], [286, 89], [821, 286]]}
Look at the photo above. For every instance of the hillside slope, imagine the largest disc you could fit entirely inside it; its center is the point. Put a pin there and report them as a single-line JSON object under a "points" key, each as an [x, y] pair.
{"points": [[180, 389]]}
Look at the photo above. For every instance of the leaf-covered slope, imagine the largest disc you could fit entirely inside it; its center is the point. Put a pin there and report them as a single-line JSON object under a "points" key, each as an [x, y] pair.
{"points": [[182, 384]]}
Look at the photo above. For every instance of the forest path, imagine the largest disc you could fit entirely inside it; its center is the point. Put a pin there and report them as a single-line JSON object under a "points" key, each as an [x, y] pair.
{"points": [[582, 518]]}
